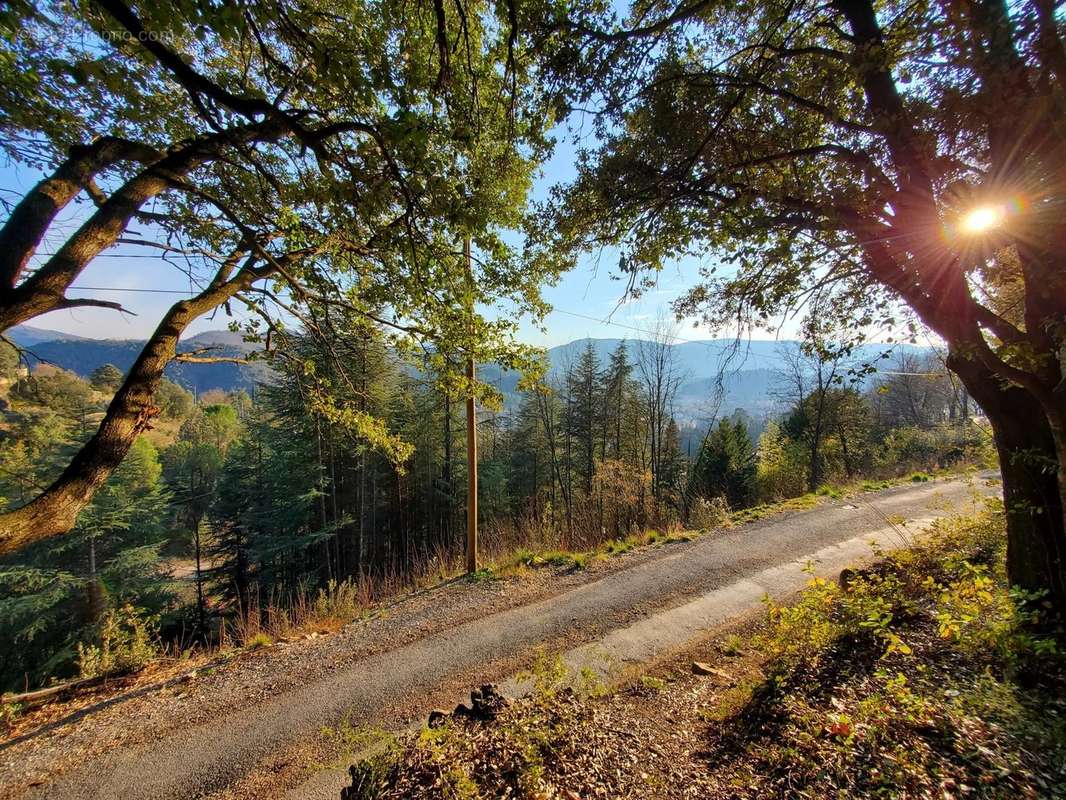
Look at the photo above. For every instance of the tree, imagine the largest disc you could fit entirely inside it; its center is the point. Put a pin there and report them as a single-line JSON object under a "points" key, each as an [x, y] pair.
{"points": [[54, 596], [106, 378], [726, 465], [340, 150], [661, 378], [618, 391], [9, 361], [917, 392], [583, 420], [265, 499], [60, 391], [780, 472], [838, 147], [192, 466], [815, 370], [175, 401], [129, 509]]}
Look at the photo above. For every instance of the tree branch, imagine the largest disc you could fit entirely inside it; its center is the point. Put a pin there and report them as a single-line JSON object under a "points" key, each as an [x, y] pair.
{"points": [[87, 302], [45, 289], [31, 218]]}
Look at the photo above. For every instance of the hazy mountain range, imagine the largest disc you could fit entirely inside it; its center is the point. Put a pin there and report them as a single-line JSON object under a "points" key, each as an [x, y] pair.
{"points": [[747, 371], [82, 355]]}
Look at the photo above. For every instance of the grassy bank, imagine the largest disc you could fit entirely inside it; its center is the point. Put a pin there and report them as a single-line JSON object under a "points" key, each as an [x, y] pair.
{"points": [[918, 678]]}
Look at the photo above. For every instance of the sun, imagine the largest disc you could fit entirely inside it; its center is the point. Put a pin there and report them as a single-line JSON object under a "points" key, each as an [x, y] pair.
{"points": [[983, 218]]}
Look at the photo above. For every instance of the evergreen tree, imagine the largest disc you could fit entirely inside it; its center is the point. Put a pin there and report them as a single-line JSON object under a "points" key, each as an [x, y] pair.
{"points": [[584, 413], [263, 515], [52, 597], [726, 466], [106, 378], [620, 394]]}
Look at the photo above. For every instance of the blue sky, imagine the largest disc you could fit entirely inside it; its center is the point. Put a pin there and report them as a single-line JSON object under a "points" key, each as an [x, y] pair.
{"points": [[587, 299]]}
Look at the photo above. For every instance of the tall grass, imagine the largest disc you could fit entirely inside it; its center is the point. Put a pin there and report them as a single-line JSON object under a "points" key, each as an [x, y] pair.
{"points": [[510, 544]]}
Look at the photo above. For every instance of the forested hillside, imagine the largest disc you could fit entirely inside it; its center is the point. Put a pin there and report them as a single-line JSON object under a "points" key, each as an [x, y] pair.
{"points": [[716, 375], [82, 355], [385, 203], [236, 507]]}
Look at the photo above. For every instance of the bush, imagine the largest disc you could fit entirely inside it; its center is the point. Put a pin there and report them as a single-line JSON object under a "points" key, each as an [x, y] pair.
{"points": [[708, 514], [125, 643], [781, 469], [910, 448]]}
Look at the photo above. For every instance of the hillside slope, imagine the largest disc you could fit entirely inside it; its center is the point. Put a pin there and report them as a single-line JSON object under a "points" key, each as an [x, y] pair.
{"points": [[245, 719]]}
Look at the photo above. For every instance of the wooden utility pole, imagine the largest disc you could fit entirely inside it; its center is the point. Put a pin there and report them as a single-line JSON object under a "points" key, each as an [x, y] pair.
{"points": [[471, 427]]}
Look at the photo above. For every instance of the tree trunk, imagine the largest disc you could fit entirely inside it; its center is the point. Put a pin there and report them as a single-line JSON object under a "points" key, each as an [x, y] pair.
{"points": [[130, 412], [1036, 535], [95, 590]]}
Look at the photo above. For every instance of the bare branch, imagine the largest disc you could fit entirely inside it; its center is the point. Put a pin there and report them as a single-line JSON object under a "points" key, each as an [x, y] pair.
{"points": [[88, 302]]}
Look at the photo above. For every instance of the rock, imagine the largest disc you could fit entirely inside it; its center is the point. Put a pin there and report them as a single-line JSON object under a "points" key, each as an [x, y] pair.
{"points": [[437, 718], [485, 704], [463, 710], [488, 702], [699, 668]]}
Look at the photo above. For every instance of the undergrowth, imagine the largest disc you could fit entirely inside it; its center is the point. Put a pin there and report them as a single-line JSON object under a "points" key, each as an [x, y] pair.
{"points": [[925, 675]]}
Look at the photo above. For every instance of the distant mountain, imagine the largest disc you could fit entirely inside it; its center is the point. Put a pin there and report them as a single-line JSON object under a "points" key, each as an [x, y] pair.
{"points": [[28, 336], [706, 359], [81, 355], [213, 338], [720, 375]]}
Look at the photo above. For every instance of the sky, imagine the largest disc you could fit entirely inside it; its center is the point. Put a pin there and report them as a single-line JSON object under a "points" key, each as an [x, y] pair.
{"points": [[587, 301]]}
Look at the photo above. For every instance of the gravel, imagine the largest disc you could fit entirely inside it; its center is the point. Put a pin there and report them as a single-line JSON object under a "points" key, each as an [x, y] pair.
{"points": [[235, 723]]}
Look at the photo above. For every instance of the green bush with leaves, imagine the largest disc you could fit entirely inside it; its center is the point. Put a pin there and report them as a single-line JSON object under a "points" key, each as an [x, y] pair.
{"points": [[126, 641]]}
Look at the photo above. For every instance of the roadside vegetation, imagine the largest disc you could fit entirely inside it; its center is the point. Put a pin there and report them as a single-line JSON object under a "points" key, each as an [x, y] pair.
{"points": [[924, 675], [235, 522]]}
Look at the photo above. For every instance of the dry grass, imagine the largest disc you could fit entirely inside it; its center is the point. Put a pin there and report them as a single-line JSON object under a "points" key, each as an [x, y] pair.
{"points": [[921, 679]]}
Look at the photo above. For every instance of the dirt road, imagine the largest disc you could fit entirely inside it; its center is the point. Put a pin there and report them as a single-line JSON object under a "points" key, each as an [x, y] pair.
{"points": [[653, 601]]}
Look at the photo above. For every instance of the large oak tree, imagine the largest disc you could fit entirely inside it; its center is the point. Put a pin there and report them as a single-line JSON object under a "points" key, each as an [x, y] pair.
{"points": [[834, 150], [287, 156]]}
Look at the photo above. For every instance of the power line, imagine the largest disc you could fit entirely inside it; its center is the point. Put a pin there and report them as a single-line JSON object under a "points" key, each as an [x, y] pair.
{"points": [[121, 289], [712, 345], [159, 256]]}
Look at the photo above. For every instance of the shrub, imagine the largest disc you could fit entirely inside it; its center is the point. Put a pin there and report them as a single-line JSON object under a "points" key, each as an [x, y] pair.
{"points": [[9, 713], [708, 514], [258, 640], [125, 643], [338, 601]]}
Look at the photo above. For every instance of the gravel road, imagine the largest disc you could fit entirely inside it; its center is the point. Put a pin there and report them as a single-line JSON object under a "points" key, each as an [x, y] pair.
{"points": [[207, 756]]}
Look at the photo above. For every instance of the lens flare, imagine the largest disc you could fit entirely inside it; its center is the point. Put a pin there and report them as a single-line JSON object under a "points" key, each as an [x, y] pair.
{"points": [[983, 218]]}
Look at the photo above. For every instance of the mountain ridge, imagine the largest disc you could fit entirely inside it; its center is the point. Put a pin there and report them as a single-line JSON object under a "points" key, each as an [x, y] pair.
{"points": [[746, 370]]}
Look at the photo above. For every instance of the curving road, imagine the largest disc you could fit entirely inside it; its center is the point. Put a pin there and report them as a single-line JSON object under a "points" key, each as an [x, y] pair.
{"points": [[664, 598]]}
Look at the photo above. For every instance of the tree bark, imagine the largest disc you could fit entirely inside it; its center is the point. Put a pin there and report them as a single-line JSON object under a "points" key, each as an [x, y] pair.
{"points": [[1036, 535], [33, 215], [55, 510]]}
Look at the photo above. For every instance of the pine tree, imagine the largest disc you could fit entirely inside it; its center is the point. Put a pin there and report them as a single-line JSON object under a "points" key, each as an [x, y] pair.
{"points": [[618, 393], [726, 466], [584, 413]]}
